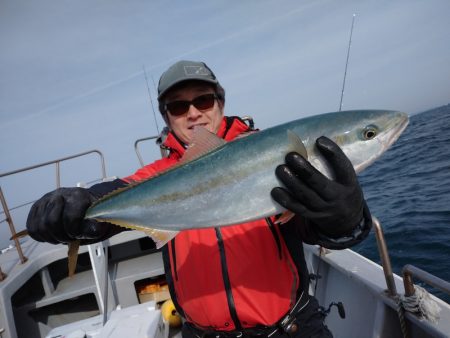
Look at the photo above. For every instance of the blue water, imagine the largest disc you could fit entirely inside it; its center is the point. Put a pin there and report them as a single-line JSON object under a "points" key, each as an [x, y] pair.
{"points": [[408, 190]]}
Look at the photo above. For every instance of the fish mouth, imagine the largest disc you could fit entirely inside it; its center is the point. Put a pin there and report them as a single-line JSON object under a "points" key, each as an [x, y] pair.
{"points": [[399, 126], [396, 126]]}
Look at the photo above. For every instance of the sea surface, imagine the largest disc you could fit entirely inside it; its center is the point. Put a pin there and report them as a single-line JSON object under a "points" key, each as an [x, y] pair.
{"points": [[408, 190]]}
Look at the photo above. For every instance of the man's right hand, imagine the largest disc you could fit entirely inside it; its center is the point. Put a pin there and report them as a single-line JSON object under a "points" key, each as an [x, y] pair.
{"points": [[58, 217]]}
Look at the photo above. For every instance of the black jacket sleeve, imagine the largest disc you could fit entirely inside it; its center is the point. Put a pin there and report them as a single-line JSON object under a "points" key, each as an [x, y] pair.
{"points": [[101, 189], [311, 234]]}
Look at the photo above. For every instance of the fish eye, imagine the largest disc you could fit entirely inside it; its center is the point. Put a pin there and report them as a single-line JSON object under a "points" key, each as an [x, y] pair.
{"points": [[370, 132]]}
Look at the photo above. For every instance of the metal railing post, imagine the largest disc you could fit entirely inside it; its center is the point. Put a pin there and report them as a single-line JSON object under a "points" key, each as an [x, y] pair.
{"points": [[136, 148], [409, 271], [389, 275], [384, 256], [23, 259]]}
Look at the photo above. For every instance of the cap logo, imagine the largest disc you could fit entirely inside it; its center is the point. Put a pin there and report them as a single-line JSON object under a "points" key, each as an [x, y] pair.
{"points": [[196, 70]]}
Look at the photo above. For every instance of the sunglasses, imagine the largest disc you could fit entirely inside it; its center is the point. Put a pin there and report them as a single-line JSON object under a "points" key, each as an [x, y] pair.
{"points": [[202, 102]]}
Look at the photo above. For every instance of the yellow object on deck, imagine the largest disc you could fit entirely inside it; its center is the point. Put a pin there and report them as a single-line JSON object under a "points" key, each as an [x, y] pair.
{"points": [[170, 314]]}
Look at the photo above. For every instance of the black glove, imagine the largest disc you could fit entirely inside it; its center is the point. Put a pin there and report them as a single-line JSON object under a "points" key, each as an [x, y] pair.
{"points": [[335, 207], [58, 217]]}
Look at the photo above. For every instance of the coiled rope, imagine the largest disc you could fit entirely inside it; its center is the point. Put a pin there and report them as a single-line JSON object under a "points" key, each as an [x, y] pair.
{"points": [[421, 304]]}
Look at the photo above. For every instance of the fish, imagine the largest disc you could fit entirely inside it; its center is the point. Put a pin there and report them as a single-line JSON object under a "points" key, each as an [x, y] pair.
{"points": [[219, 183]]}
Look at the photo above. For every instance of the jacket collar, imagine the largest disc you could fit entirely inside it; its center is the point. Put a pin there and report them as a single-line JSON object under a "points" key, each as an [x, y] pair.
{"points": [[229, 128]]}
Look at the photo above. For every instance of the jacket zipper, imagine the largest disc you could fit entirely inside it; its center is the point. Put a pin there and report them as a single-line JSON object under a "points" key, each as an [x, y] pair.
{"points": [[174, 259], [226, 280], [275, 235]]}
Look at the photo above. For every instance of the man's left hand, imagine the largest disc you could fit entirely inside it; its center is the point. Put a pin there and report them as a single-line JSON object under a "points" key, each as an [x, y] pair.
{"points": [[334, 206]]}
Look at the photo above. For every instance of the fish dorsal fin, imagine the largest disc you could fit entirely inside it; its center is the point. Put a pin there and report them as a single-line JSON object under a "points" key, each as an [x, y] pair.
{"points": [[296, 144], [203, 142]]}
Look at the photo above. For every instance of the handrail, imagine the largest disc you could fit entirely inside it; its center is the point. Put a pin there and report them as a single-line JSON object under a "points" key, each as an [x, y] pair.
{"points": [[388, 274], [58, 177], [410, 271], [384, 256], [23, 259], [57, 161], [136, 147], [58, 184]]}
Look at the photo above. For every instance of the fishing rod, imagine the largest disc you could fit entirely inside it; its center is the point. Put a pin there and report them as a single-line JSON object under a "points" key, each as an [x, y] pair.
{"points": [[150, 97], [346, 62], [317, 275]]}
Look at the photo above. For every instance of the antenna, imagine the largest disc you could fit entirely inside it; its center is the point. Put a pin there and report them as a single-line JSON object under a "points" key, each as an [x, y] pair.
{"points": [[346, 62], [150, 97]]}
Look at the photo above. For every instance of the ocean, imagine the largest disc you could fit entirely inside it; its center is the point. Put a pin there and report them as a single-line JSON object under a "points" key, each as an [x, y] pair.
{"points": [[408, 190]]}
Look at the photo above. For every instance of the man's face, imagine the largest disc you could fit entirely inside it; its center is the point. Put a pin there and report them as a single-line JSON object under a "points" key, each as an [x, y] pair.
{"points": [[183, 125]]}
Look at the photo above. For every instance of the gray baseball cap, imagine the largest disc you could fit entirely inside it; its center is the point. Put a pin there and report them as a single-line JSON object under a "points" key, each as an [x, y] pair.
{"points": [[185, 71]]}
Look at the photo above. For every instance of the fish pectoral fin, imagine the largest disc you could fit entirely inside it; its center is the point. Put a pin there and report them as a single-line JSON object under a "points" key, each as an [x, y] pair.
{"points": [[296, 144], [203, 142], [285, 217], [160, 237]]}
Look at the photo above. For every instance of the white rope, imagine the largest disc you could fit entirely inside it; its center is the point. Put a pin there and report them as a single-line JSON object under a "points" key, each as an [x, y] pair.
{"points": [[421, 303], [401, 316]]}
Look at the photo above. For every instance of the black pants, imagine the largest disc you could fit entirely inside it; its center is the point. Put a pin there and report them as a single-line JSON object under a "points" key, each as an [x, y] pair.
{"points": [[309, 320]]}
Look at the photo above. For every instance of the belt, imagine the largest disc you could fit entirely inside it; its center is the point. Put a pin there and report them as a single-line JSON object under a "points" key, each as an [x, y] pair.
{"points": [[287, 324], [262, 332]]}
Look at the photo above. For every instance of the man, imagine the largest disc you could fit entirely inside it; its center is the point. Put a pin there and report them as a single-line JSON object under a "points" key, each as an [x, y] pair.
{"points": [[244, 280]]}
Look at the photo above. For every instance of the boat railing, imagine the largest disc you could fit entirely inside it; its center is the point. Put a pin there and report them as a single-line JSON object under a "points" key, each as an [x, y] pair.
{"points": [[6, 210], [388, 274], [159, 141], [409, 271], [384, 256], [412, 297]]}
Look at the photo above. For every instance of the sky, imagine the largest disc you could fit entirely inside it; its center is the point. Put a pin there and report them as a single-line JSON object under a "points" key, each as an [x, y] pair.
{"points": [[81, 75]]}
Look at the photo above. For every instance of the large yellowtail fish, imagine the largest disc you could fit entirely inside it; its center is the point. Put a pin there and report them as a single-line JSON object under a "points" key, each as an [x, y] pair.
{"points": [[219, 183]]}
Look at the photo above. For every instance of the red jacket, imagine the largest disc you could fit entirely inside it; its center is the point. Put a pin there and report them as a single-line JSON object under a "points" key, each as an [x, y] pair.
{"points": [[232, 277]]}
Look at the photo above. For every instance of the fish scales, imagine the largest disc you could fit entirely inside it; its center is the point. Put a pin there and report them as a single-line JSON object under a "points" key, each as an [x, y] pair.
{"points": [[190, 193]]}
